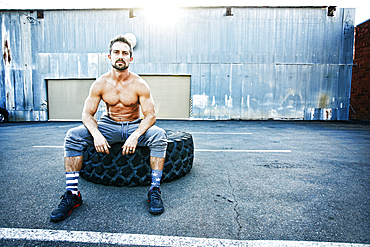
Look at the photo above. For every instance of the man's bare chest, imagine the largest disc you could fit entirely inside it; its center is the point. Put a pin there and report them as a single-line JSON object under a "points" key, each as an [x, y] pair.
{"points": [[120, 96]]}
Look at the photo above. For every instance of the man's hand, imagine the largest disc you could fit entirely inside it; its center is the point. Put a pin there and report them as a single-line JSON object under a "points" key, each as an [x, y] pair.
{"points": [[130, 144], [101, 144]]}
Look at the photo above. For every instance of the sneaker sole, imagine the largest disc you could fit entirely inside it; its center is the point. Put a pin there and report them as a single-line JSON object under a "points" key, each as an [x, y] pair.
{"points": [[60, 218], [156, 211]]}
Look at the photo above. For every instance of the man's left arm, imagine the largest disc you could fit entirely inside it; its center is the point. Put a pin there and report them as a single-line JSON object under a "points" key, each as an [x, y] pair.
{"points": [[147, 108]]}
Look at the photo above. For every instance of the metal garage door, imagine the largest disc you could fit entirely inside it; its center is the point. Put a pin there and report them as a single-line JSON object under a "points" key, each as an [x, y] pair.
{"points": [[171, 95], [66, 98]]}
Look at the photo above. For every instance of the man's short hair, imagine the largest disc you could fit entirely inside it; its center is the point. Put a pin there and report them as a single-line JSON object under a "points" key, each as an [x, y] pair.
{"points": [[120, 38]]}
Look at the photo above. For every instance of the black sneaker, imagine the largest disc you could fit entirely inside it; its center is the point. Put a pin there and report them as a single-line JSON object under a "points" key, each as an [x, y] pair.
{"points": [[65, 207], [155, 201]]}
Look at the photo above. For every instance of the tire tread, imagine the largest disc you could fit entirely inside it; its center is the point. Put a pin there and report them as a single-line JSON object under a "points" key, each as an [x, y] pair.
{"points": [[134, 169]]}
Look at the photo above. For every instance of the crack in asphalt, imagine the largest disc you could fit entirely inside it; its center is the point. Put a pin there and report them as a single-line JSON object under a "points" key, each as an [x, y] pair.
{"points": [[235, 207]]}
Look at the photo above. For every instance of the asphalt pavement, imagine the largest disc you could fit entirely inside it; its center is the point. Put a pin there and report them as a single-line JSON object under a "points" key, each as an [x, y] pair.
{"points": [[273, 181]]}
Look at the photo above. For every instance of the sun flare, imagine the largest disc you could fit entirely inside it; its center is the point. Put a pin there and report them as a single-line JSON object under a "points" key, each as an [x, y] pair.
{"points": [[163, 14]]}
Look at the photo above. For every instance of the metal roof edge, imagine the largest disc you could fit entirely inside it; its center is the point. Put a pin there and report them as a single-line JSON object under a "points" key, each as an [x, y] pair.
{"points": [[363, 22], [138, 7]]}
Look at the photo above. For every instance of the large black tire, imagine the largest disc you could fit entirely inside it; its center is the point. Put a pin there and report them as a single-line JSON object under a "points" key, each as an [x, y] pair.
{"points": [[3, 115], [134, 169]]}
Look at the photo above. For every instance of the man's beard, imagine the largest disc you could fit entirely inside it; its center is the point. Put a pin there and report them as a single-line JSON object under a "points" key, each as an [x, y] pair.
{"points": [[120, 67]]}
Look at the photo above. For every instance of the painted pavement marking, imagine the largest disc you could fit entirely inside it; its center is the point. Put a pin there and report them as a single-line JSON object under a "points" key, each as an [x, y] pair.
{"points": [[48, 146], [243, 151], [220, 133], [149, 240], [210, 150]]}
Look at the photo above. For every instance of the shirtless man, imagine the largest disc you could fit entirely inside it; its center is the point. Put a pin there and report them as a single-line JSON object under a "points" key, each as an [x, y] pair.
{"points": [[123, 92]]}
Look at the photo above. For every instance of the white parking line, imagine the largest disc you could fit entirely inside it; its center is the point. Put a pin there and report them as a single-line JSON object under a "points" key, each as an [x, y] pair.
{"points": [[48, 146], [220, 133], [149, 240], [210, 150], [243, 151]]}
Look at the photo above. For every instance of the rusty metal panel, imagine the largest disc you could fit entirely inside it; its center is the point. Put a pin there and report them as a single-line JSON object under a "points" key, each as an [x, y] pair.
{"points": [[259, 63], [7, 75]]}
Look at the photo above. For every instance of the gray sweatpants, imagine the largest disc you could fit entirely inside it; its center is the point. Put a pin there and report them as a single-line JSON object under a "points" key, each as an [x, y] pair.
{"points": [[78, 138]]}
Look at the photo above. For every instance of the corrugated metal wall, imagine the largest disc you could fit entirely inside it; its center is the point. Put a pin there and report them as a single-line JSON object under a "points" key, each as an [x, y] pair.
{"points": [[259, 63]]}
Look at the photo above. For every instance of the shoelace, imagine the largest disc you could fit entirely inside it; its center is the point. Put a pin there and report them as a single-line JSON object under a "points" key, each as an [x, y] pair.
{"points": [[155, 196], [65, 200]]}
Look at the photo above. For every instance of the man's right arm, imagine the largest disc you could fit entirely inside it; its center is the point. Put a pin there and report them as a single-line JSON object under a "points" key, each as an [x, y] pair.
{"points": [[91, 106]]}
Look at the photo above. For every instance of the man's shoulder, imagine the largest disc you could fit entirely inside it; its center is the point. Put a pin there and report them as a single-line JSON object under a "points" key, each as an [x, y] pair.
{"points": [[100, 83], [138, 80], [136, 77], [104, 77]]}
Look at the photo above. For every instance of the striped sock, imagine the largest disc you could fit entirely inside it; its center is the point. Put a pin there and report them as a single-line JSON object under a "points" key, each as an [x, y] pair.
{"points": [[156, 178], [72, 181]]}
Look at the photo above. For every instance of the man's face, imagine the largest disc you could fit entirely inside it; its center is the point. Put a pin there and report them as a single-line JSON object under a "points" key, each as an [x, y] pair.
{"points": [[120, 56]]}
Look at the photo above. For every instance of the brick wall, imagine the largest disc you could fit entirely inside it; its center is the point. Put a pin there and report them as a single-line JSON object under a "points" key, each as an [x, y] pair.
{"points": [[360, 89]]}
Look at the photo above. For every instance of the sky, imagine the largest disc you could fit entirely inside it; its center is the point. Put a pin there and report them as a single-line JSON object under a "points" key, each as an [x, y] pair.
{"points": [[361, 6]]}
